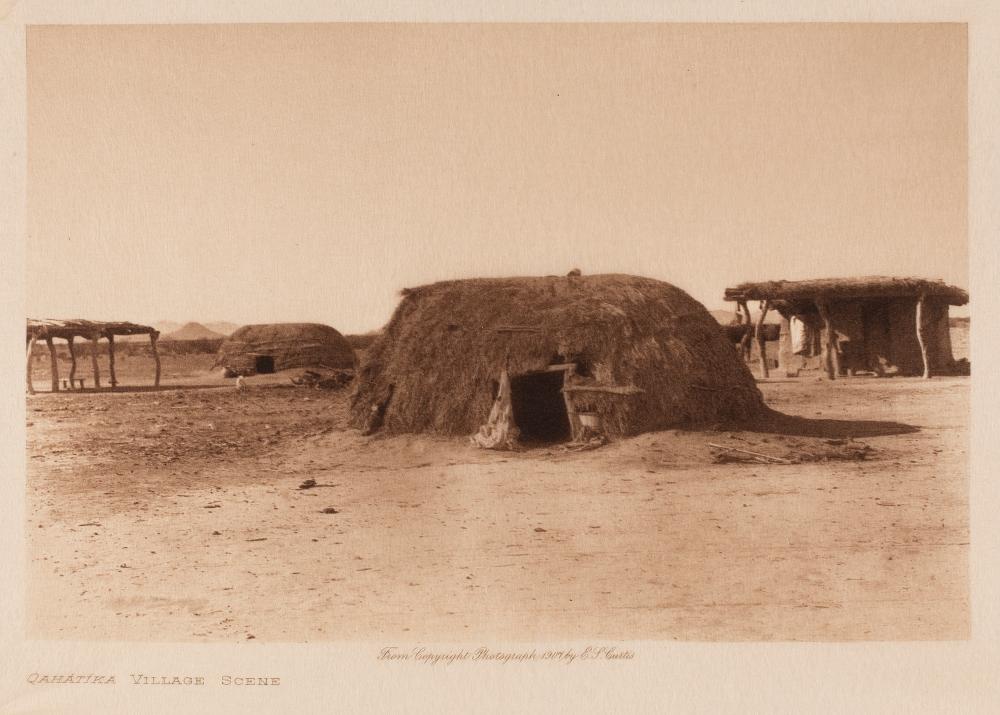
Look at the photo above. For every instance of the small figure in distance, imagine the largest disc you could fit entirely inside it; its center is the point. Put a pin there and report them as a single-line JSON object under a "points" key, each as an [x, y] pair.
{"points": [[241, 383]]}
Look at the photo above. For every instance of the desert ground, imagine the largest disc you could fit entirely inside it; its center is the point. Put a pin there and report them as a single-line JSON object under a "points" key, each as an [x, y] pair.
{"points": [[177, 515]]}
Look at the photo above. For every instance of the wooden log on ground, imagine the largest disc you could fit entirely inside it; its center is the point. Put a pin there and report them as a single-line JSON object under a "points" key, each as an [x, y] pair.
{"points": [[72, 362], [765, 305], [111, 360], [94, 347], [55, 364], [766, 457], [156, 357], [922, 336], [31, 349], [828, 344]]}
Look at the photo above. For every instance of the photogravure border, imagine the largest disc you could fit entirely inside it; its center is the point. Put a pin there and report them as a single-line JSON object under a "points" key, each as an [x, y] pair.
{"points": [[689, 676]]}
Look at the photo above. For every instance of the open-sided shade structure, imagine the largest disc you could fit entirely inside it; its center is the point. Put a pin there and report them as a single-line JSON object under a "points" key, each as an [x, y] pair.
{"points": [[867, 323], [92, 330]]}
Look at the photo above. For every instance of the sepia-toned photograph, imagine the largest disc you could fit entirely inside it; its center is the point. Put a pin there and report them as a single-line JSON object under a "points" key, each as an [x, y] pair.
{"points": [[390, 332]]}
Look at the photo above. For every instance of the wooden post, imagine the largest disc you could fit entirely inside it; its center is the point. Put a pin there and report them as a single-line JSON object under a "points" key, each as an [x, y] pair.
{"points": [[94, 346], [785, 348], [72, 361], [31, 349], [111, 359], [829, 342], [156, 356], [748, 335], [922, 337], [765, 305], [835, 350], [574, 421], [55, 364]]}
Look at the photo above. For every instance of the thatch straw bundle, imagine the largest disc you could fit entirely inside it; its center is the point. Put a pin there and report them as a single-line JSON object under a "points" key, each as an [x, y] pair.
{"points": [[437, 364], [289, 344]]}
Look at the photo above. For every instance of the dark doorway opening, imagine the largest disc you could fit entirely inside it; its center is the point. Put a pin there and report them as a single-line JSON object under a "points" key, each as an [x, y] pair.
{"points": [[876, 336], [539, 408], [263, 364]]}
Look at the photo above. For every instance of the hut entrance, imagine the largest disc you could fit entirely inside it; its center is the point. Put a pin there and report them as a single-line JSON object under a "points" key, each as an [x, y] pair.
{"points": [[263, 364], [539, 407]]}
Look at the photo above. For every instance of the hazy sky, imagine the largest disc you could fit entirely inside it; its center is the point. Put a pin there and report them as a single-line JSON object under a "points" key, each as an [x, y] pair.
{"points": [[261, 173]]}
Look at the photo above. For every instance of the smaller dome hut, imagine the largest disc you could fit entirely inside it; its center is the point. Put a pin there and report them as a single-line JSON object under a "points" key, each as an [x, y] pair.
{"points": [[271, 347]]}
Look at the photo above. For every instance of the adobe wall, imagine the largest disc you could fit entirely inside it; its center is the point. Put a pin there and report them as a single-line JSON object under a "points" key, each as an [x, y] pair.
{"points": [[884, 333]]}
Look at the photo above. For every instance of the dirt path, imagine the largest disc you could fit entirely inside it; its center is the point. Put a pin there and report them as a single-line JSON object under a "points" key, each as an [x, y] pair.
{"points": [[169, 537]]}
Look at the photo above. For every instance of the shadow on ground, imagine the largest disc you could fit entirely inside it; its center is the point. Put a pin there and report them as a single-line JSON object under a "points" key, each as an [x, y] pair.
{"points": [[774, 422]]}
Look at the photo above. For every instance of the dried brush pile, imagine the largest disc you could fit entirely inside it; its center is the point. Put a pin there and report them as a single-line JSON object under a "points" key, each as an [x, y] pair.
{"points": [[436, 366], [290, 344]]}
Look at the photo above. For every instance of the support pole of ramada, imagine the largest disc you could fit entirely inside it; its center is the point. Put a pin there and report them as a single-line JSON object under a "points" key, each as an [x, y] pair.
{"points": [[31, 349], [111, 360], [922, 337], [765, 305], [748, 335], [72, 361], [55, 364], [156, 356], [94, 347], [829, 343]]}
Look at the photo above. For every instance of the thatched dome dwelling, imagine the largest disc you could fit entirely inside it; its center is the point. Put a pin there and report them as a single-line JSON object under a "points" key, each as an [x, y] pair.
{"points": [[279, 346], [558, 355]]}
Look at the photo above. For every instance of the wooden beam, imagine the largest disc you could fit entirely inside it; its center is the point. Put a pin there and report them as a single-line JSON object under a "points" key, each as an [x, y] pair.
{"points": [[574, 420], [31, 349], [55, 364], [613, 389], [72, 361], [94, 347], [111, 360], [828, 344], [156, 357], [765, 305], [922, 336]]}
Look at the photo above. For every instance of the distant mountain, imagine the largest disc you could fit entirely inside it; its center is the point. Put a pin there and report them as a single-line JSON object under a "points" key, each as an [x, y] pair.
{"points": [[166, 326], [193, 331], [222, 327]]}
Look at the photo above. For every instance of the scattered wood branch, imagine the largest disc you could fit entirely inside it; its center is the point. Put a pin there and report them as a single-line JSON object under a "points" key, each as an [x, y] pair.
{"points": [[765, 458]]}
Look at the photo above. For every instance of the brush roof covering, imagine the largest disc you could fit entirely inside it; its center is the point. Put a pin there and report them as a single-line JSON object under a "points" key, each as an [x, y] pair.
{"points": [[65, 329], [436, 365], [860, 287]]}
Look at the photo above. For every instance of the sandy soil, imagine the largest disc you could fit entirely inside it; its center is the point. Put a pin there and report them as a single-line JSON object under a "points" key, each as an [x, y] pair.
{"points": [[175, 515]]}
